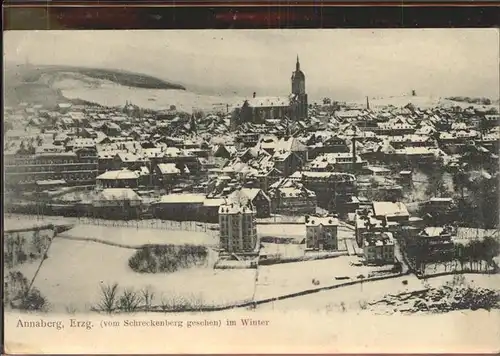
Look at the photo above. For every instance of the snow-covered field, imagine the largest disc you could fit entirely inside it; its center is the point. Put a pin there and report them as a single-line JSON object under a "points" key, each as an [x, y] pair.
{"points": [[282, 230], [296, 231], [357, 297], [137, 237], [24, 223], [156, 99], [423, 102], [287, 278], [72, 275]]}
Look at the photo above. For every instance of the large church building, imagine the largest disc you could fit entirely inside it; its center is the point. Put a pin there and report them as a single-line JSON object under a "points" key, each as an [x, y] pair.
{"points": [[259, 109]]}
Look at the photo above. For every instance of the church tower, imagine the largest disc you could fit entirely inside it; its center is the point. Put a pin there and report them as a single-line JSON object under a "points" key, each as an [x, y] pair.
{"points": [[299, 96]]}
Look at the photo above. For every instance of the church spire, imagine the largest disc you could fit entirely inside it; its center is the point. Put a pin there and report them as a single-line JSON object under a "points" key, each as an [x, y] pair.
{"points": [[297, 65]]}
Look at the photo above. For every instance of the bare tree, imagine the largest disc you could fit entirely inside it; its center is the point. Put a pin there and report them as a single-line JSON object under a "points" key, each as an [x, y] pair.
{"points": [[109, 295]]}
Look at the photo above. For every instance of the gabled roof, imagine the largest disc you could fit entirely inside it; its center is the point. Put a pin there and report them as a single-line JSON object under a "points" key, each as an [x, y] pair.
{"points": [[182, 198], [292, 144], [168, 168], [129, 157], [269, 101], [119, 174], [118, 194], [386, 208]]}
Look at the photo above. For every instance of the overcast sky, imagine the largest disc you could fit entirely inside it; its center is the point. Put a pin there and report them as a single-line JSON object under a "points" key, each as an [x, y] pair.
{"points": [[337, 63]]}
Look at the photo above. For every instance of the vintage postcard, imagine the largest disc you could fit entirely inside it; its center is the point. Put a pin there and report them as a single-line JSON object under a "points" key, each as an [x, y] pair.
{"points": [[251, 191]]}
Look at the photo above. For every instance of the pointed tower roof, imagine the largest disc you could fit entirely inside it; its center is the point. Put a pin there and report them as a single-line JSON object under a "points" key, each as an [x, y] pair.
{"points": [[298, 74]]}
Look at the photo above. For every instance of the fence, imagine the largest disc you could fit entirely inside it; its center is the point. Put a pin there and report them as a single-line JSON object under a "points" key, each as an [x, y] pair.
{"points": [[151, 224], [170, 225]]}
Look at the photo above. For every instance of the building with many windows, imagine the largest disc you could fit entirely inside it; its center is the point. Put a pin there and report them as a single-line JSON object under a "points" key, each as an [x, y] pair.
{"points": [[332, 189], [238, 231], [321, 232], [378, 248], [76, 168]]}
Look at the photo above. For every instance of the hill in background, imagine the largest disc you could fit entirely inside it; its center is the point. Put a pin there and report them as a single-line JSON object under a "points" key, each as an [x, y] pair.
{"points": [[25, 82]]}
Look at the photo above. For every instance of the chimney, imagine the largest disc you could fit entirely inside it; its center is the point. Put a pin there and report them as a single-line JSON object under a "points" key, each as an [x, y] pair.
{"points": [[254, 94], [367, 104], [354, 149]]}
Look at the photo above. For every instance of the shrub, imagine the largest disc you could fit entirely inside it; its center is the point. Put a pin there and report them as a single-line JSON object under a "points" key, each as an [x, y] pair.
{"points": [[181, 303], [129, 301], [34, 300], [71, 309], [147, 297], [18, 295], [167, 258]]}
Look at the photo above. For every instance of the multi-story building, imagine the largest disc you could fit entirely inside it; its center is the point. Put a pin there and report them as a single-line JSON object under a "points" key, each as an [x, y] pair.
{"points": [[397, 126], [436, 242], [238, 232], [428, 245], [123, 178], [332, 189], [333, 144], [75, 168], [247, 139], [292, 198], [380, 217], [391, 211], [259, 200], [321, 232], [287, 162], [378, 248], [338, 162]]}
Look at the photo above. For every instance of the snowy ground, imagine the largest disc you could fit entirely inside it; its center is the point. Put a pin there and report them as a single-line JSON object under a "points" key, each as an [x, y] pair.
{"points": [[155, 99], [138, 237], [297, 231], [284, 250], [15, 223], [88, 265], [287, 278], [72, 275], [422, 102], [357, 297]]}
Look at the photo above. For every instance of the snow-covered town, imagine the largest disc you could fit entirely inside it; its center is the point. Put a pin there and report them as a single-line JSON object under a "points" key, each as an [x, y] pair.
{"points": [[246, 204]]}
